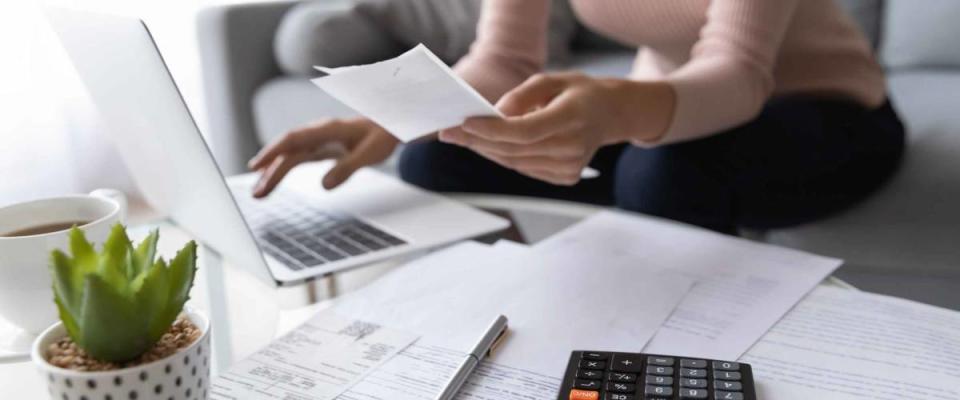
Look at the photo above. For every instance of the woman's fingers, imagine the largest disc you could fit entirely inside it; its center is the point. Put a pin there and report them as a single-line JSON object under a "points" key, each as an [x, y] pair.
{"points": [[554, 171], [274, 173], [533, 93], [300, 140], [371, 150], [526, 129]]}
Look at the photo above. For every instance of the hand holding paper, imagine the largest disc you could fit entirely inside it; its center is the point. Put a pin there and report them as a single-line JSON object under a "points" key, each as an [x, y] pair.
{"points": [[410, 96]]}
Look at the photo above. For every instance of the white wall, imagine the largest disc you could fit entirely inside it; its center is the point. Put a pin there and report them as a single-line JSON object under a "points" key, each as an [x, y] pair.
{"points": [[50, 137]]}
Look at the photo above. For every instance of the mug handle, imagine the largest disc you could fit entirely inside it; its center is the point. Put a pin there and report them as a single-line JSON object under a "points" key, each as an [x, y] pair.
{"points": [[117, 197]]}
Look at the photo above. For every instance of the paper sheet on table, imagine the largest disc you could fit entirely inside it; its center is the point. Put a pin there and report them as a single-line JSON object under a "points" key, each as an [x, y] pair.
{"points": [[856, 345], [420, 371], [410, 96], [742, 287], [319, 360], [555, 304]]}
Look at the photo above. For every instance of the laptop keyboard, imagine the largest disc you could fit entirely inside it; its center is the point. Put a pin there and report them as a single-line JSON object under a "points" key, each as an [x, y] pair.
{"points": [[302, 236]]}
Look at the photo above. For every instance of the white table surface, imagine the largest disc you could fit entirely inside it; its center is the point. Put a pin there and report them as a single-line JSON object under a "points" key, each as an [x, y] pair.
{"points": [[257, 313]]}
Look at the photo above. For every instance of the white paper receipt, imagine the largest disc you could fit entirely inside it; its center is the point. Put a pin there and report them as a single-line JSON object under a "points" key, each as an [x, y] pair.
{"points": [[412, 95], [319, 360]]}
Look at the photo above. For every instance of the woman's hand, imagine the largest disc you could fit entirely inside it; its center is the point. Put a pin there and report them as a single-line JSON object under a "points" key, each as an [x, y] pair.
{"points": [[354, 143], [556, 122]]}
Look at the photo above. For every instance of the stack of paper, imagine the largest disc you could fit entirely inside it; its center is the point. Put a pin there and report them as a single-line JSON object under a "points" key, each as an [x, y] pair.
{"points": [[856, 345], [450, 296], [742, 287]]}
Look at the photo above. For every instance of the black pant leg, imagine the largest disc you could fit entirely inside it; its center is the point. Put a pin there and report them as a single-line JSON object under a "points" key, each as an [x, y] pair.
{"points": [[800, 160]]}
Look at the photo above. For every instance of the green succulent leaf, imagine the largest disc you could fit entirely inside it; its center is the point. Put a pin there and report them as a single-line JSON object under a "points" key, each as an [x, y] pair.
{"points": [[116, 304], [111, 327]]}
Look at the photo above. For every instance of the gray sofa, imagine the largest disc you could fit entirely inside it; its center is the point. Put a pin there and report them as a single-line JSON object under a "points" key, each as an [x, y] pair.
{"points": [[905, 240]]}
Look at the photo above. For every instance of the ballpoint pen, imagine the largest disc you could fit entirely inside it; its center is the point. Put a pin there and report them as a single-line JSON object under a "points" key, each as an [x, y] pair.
{"points": [[489, 340]]}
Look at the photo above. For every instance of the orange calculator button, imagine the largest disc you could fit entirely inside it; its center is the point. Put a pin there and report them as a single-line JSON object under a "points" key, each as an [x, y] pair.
{"points": [[577, 394]]}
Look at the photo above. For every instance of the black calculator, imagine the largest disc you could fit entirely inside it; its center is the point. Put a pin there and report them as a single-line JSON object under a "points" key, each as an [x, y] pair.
{"points": [[600, 375]]}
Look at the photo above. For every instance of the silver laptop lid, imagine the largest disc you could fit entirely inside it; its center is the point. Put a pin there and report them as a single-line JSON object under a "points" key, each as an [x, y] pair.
{"points": [[157, 137]]}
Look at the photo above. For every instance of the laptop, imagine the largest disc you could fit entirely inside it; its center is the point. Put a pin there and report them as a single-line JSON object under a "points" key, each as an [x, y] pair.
{"points": [[299, 232]]}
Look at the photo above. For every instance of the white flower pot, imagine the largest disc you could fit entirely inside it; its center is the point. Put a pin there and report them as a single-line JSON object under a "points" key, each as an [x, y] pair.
{"points": [[185, 375]]}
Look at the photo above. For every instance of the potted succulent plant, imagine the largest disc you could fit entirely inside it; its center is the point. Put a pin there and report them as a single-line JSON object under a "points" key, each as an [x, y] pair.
{"points": [[123, 333]]}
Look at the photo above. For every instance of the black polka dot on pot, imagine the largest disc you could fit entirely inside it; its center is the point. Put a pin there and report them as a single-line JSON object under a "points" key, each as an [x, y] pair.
{"points": [[193, 371], [200, 383], [186, 360], [64, 396], [199, 350], [158, 389], [83, 398], [204, 361], [188, 392], [68, 382], [108, 397], [118, 381], [167, 369], [133, 395], [143, 376], [92, 384], [178, 381]]}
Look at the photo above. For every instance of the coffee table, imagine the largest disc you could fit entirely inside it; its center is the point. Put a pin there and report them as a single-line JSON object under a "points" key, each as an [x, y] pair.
{"points": [[251, 313]]}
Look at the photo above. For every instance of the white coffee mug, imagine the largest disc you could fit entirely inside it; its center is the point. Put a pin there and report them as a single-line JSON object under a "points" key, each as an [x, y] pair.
{"points": [[26, 296]]}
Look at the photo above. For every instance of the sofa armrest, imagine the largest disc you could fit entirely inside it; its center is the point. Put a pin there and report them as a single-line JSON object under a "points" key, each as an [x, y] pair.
{"points": [[236, 56]]}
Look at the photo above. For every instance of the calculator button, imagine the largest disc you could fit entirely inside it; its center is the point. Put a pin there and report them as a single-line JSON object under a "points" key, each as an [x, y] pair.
{"points": [[693, 373], [657, 391], [727, 395], [625, 363], [618, 396], [693, 393], [592, 364], [586, 384], [693, 383], [659, 380], [621, 387], [577, 394], [687, 363], [654, 370], [662, 361], [726, 366], [622, 377], [733, 386], [594, 355], [727, 376], [589, 374]]}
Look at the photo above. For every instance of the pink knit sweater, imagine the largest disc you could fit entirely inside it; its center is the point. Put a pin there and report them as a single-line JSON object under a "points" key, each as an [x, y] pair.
{"points": [[724, 58]]}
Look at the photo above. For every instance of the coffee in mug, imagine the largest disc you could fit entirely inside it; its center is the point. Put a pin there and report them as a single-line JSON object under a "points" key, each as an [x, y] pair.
{"points": [[46, 228], [29, 231]]}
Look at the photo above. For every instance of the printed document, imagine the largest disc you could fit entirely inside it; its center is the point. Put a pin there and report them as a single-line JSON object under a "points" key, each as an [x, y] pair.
{"points": [[410, 96], [319, 360], [450, 296], [419, 373], [846, 345], [742, 287]]}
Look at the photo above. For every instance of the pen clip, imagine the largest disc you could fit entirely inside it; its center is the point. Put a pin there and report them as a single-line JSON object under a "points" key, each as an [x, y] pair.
{"points": [[498, 340]]}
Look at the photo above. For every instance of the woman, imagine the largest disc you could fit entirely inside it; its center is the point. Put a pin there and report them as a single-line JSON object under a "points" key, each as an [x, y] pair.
{"points": [[738, 113]]}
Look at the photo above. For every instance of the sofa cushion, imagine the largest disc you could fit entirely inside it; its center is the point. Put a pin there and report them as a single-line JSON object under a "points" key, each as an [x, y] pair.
{"points": [[921, 34], [326, 33], [288, 102], [911, 224]]}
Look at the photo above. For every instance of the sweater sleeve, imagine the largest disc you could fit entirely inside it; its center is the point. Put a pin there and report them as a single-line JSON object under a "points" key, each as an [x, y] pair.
{"points": [[729, 76], [510, 46]]}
